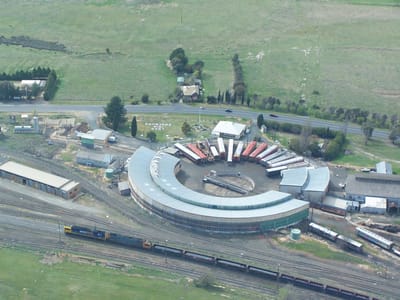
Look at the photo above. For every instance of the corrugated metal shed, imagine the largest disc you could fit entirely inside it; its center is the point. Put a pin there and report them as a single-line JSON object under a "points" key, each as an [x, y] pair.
{"points": [[226, 128], [294, 177], [374, 205], [93, 159], [373, 185], [318, 180], [33, 174]]}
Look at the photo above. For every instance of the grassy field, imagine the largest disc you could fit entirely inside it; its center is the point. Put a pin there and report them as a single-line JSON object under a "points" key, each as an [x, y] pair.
{"points": [[321, 250], [26, 275], [168, 127], [367, 156], [348, 53]]}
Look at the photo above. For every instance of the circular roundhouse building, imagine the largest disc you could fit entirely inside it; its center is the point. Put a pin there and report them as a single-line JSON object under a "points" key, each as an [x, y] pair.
{"points": [[154, 186]]}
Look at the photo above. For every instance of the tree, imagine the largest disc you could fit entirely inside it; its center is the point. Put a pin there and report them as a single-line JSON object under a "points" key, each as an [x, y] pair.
{"points": [[145, 98], [133, 127], [178, 60], [152, 136], [260, 120], [367, 129], [51, 86], [186, 128], [205, 281], [115, 113], [395, 134]]}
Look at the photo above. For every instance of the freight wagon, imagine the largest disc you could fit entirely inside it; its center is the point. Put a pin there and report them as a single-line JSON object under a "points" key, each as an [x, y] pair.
{"points": [[210, 260]]}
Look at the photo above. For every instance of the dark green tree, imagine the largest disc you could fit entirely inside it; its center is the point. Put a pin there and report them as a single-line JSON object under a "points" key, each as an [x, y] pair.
{"points": [[133, 127], [367, 129], [152, 136], [186, 129], [178, 60], [145, 98], [260, 120], [394, 134], [51, 86], [115, 113]]}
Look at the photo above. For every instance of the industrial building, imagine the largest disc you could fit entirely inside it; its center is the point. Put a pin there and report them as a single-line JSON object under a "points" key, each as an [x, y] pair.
{"points": [[98, 137], [230, 130], [157, 189], [308, 183], [93, 159], [362, 185], [43, 181], [374, 205]]}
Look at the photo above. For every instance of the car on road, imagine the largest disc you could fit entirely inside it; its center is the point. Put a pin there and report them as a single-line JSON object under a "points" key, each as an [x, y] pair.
{"points": [[228, 110], [273, 115]]}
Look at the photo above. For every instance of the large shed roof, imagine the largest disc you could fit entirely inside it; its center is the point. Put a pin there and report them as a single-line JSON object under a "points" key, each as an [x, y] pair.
{"points": [[154, 191], [374, 184], [33, 174], [229, 128], [294, 177], [318, 180]]}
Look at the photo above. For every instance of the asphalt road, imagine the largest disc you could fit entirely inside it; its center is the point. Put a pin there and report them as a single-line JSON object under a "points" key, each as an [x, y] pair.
{"points": [[187, 109]]}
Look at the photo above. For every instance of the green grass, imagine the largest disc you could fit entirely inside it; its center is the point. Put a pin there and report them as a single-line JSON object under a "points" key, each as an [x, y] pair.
{"points": [[351, 61], [171, 125], [373, 2], [23, 276], [322, 251], [368, 155]]}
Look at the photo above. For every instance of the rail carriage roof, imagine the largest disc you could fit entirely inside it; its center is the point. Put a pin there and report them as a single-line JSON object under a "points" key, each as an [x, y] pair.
{"points": [[153, 184]]}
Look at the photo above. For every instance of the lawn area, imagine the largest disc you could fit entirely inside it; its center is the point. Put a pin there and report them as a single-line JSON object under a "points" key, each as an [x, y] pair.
{"points": [[24, 276], [168, 127], [320, 250], [368, 155], [348, 53]]}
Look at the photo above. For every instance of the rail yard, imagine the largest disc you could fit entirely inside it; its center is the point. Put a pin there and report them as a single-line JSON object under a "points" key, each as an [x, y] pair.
{"points": [[35, 220]]}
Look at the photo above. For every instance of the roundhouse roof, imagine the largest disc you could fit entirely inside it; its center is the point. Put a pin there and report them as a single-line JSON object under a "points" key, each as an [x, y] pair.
{"points": [[153, 177]]}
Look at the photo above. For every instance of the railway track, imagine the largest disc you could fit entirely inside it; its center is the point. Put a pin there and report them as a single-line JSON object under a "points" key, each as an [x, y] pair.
{"points": [[131, 257], [153, 227]]}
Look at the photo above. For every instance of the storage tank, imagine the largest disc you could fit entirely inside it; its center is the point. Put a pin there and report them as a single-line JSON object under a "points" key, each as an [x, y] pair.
{"points": [[109, 173], [295, 234]]}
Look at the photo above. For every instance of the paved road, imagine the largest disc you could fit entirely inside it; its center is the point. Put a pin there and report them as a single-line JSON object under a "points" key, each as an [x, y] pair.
{"points": [[186, 109]]}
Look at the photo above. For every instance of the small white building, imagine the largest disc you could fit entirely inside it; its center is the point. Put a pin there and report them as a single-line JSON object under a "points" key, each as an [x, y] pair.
{"points": [[374, 205], [230, 130]]}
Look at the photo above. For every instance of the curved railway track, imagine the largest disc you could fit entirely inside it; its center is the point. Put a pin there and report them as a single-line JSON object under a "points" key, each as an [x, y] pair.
{"points": [[299, 265]]}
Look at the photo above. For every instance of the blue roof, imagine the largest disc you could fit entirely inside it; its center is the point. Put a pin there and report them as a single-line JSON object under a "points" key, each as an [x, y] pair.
{"points": [[318, 180], [294, 177]]}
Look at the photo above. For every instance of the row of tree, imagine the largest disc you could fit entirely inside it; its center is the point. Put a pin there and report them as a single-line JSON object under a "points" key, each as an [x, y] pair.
{"points": [[35, 73], [239, 87], [308, 141]]}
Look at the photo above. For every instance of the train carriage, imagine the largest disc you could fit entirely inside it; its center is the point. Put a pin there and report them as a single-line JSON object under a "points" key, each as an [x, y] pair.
{"points": [[263, 272], [350, 244], [231, 265], [129, 241], [198, 257], [322, 231], [374, 238], [167, 250]]}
